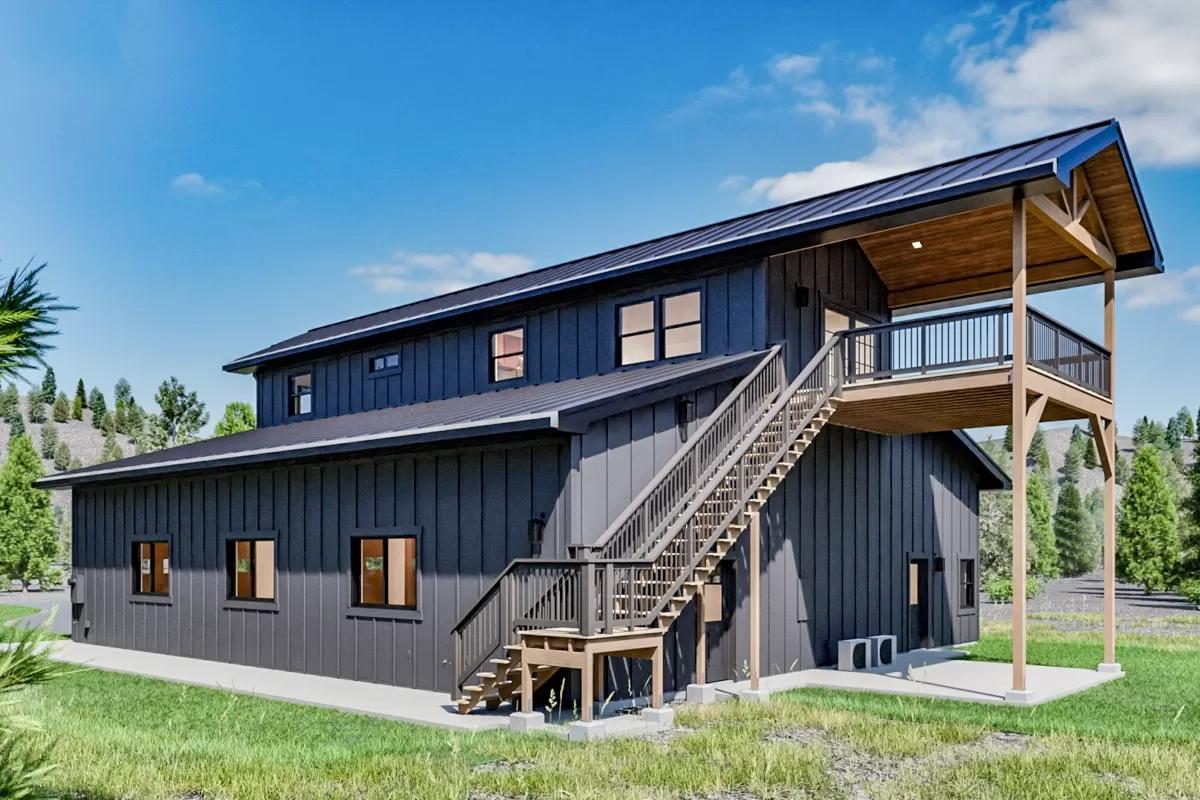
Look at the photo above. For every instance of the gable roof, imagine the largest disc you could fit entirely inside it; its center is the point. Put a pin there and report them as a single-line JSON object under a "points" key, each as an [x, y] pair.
{"points": [[563, 406], [1047, 157]]}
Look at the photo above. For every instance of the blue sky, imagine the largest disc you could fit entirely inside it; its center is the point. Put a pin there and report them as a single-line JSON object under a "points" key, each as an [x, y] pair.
{"points": [[206, 179]]}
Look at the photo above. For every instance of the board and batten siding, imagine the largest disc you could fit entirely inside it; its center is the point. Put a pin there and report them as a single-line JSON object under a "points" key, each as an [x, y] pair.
{"points": [[565, 341], [470, 508]]}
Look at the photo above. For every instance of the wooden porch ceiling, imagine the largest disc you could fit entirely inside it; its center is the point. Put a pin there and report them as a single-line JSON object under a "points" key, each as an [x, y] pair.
{"points": [[970, 254], [946, 402]]}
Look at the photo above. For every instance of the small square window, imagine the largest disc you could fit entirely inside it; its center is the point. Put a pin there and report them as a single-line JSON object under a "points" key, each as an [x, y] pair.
{"points": [[681, 325], [385, 571], [508, 355], [251, 564], [384, 362], [152, 568], [966, 583], [299, 394], [636, 333]]}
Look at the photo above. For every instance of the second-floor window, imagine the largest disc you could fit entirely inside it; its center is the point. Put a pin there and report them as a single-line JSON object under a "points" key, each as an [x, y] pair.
{"points": [[299, 394], [508, 355], [383, 362], [636, 333], [681, 325]]}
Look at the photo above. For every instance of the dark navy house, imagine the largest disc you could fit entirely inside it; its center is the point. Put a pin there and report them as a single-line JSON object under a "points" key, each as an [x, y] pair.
{"points": [[720, 451]]}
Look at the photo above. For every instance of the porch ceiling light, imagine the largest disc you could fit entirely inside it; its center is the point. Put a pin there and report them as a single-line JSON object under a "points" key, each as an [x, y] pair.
{"points": [[917, 245]]}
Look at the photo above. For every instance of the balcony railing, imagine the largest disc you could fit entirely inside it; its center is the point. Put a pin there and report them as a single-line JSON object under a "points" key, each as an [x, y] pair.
{"points": [[966, 339]]}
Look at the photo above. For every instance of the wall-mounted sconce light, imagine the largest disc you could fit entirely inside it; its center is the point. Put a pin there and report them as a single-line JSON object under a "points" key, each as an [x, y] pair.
{"points": [[939, 564], [801, 296], [685, 410], [537, 530]]}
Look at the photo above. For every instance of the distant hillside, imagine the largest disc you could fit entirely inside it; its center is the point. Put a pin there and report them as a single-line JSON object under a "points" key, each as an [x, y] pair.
{"points": [[1057, 441], [86, 444]]}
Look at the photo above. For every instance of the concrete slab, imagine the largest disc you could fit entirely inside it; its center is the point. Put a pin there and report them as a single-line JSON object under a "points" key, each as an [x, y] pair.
{"points": [[378, 700], [940, 673]]}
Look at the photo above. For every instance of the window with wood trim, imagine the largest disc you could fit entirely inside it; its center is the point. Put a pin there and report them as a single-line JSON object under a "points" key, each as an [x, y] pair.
{"points": [[507, 355], [383, 362], [635, 333], [300, 387], [251, 565], [152, 568], [966, 583], [681, 325], [385, 571]]}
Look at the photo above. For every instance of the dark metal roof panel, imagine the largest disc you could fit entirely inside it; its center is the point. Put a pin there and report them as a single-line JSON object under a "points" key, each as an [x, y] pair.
{"points": [[524, 408], [960, 177]]}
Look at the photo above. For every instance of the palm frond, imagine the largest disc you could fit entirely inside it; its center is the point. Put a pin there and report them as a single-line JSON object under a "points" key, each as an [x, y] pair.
{"points": [[28, 318]]}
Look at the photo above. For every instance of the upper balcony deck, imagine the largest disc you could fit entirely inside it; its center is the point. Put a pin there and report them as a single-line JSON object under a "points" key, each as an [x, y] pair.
{"points": [[955, 371]]}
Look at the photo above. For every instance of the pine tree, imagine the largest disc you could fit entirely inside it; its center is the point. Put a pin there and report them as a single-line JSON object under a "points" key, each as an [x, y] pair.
{"points": [[97, 405], [108, 423], [1078, 548], [1174, 434], [119, 418], [28, 530], [1183, 422], [112, 451], [995, 535], [49, 438], [1122, 470], [37, 408], [75, 463], [49, 386], [1148, 546], [122, 393], [10, 402], [1073, 461], [62, 408], [1008, 443], [135, 421], [16, 428], [80, 401], [62, 457], [1091, 457], [1043, 556], [1040, 454]]}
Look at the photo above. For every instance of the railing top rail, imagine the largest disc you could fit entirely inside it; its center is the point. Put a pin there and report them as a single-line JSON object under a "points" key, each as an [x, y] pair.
{"points": [[1033, 312], [918, 322], [683, 452], [784, 398]]}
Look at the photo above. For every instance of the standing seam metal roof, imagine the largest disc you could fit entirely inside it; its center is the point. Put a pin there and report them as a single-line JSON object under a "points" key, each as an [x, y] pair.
{"points": [[1049, 155]]}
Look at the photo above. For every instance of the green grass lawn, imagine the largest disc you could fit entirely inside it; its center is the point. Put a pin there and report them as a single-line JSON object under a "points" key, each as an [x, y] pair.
{"points": [[10, 612], [118, 736]]}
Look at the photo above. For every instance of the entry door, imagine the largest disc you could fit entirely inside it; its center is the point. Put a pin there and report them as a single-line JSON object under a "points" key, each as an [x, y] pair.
{"points": [[719, 628], [864, 358], [918, 603]]}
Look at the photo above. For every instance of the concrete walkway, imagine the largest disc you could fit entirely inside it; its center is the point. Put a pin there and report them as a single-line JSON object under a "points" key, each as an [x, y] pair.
{"points": [[939, 673], [56, 600], [390, 702]]}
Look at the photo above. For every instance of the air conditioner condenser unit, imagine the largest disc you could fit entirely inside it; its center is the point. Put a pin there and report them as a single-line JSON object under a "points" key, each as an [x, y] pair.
{"points": [[883, 649], [854, 654]]}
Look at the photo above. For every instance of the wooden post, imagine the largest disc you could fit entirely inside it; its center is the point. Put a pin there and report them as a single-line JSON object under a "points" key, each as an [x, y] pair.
{"points": [[598, 674], [701, 637], [526, 686], [656, 676], [1110, 480], [587, 686], [1019, 357], [755, 599]]}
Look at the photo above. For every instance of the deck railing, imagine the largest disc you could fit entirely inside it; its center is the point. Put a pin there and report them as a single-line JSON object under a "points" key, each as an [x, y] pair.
{"points": [[967, 339]]}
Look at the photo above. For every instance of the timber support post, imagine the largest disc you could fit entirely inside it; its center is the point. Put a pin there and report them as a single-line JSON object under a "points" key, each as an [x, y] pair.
{"points": [[1020, 354], [1110, 664], [755, 600]]}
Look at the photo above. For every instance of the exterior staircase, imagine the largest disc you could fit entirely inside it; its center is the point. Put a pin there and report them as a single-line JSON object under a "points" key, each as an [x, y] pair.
{"points": [[657, 555]]}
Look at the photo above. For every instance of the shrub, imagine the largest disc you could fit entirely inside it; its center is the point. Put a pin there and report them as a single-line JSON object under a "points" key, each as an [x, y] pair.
{"points": [[62, 457], [37, 407], [1190, 589], [1000, 589], [49, 439]]}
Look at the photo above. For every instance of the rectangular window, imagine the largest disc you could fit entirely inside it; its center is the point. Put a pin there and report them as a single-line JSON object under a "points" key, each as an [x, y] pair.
{"points": [[384, 362], [299, 394], [385, 571], [251, 565], [508, 355], [966, 583], [681, 324], [152, 568], [636, 333]]}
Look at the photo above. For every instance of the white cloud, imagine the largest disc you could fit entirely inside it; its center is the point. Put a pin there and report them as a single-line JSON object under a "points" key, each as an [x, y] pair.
{"points": [[1191, 313], [195, 184], [736, 87], [790, 68], [1019, 74], [1156, 291], [424, 274]]}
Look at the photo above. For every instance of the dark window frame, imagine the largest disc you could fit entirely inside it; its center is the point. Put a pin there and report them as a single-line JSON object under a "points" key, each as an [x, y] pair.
{"points": [[245, 603], [664, 327], [384, 370], [493, 357], [968, 566], [136, 593], [653, 330], [312, 392], [232, 540], [352, 554]]}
